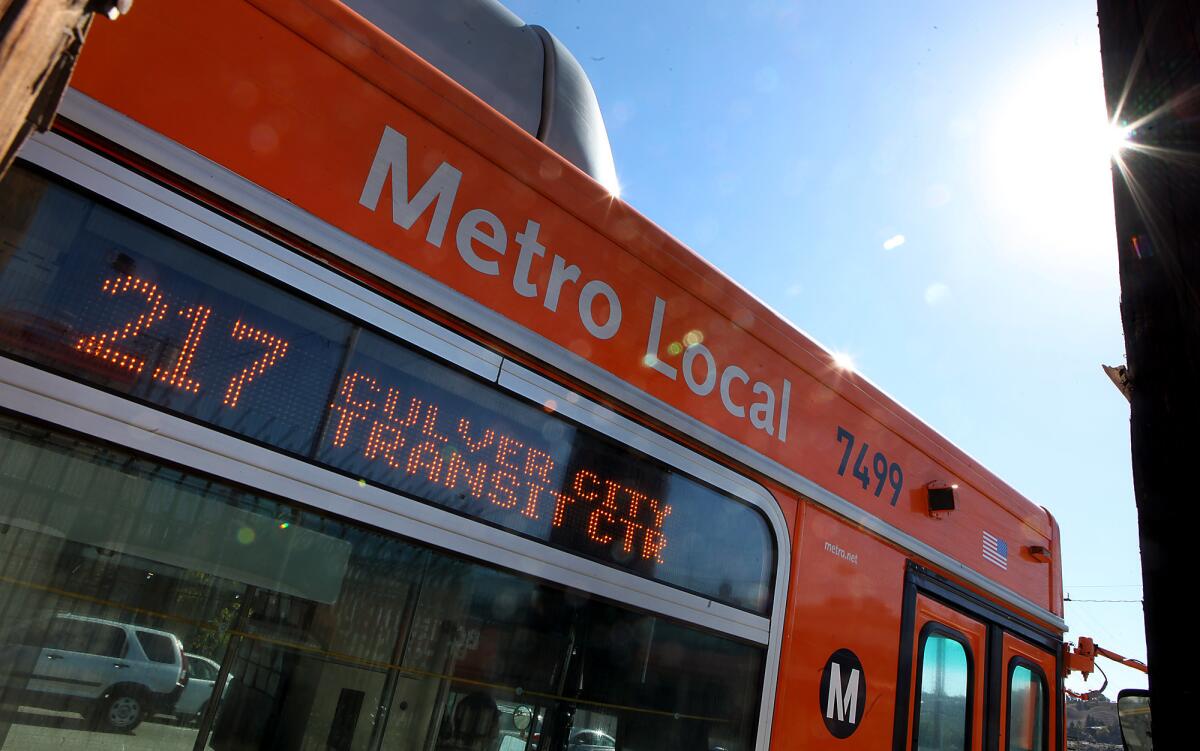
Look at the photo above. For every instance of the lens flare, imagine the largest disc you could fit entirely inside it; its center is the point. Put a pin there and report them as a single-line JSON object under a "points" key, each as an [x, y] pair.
{"points": [[843, 361], [1119, 139]]}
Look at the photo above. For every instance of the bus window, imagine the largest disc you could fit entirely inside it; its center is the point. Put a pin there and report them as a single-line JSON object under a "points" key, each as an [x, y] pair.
{"points": [[943, 715], [103, 296], [1026, 709], [653, 684], [327, 633]]}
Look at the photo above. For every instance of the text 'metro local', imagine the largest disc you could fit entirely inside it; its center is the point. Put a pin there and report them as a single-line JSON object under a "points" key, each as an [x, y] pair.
{"points": [[481, 239]]}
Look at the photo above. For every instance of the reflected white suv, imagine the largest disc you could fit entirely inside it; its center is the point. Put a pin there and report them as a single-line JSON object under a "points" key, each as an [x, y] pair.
{"points": [[202, 677], [112, 673]]}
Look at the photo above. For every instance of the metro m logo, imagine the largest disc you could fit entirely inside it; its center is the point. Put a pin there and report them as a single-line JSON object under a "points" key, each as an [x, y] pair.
{"points": [[843, 694], [843, 699]]}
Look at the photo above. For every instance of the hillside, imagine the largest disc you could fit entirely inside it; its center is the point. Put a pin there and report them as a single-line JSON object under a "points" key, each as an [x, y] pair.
{"points": [[1093, 726]]}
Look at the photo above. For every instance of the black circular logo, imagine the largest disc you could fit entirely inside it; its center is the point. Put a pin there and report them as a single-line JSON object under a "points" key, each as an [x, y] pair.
{"points": [[843, 693]]}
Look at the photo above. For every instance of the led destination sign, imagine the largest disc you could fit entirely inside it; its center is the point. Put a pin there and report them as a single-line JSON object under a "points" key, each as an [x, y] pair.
{"points": [[424, 442], [98, 295]]}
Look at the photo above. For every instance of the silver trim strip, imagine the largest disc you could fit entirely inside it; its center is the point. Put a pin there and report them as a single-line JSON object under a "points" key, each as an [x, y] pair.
{"points": [[211, 176]]}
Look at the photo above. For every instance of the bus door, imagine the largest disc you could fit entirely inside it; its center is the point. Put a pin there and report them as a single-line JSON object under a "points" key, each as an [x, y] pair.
{"points": [[1026, 720], [947, 679]]}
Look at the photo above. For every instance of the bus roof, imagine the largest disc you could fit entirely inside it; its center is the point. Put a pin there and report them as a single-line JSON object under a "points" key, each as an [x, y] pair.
{"points": [[523, 71]]}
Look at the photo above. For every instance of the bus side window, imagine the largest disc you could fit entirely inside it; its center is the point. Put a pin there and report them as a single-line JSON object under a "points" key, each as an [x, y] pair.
{"points": [[944, 709], [1026, 709]]}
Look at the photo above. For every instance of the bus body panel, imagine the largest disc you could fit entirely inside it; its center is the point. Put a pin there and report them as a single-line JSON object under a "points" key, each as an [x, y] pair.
{"points": [[241, 83], [846, 594]]}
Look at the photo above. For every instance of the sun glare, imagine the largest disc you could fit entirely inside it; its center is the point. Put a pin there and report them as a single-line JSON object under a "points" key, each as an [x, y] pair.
{"points": [[1048, 151], [1118, 139], [843, 361]]}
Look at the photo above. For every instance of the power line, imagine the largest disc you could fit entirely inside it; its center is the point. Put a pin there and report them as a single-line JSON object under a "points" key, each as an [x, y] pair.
{"points": [[1073, 599]]}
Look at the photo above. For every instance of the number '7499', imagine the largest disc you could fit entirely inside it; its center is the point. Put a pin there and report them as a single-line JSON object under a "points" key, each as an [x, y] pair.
{"points": [[885, 472]]}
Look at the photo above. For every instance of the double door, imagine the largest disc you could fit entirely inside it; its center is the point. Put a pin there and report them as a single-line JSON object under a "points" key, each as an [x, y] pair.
{"points": [[976, 682]]}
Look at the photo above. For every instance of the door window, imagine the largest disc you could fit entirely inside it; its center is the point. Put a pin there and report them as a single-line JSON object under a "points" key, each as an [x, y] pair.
{"points": [[1027, 708], [943, 719], [947, 690]]}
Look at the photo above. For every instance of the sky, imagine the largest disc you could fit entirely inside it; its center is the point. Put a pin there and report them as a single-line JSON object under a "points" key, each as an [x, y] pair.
{"points": [[923, 187]]}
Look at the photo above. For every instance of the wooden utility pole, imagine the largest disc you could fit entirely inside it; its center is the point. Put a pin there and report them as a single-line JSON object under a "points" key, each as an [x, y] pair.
{"points": [[1151, 61], [39, 43]]}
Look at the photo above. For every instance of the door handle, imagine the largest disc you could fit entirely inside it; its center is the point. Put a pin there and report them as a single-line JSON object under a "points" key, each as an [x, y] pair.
{"points": [[119, 665], [54, 657]]}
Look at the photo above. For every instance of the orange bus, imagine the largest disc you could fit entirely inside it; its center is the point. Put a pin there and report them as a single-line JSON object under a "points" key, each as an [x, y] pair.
{"points": [[340, 411]]}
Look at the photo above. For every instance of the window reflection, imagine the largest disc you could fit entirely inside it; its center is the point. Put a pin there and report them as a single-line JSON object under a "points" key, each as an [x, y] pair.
{"points": [[130, 591], [1026, 710], [944, 709]]}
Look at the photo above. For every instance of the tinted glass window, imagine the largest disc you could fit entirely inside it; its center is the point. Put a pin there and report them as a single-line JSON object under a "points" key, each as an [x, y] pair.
{"points": [[333, 630], [86, 637], [201, 669], [97, 294], [137, 310], [1026, 710], [157, 647], [943, 711]]}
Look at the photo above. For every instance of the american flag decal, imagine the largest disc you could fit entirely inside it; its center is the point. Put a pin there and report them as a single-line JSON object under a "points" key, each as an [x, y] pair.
{"points": [[995, 550]]}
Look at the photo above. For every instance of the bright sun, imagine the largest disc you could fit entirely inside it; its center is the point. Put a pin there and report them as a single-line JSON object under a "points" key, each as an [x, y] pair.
{"points": [[1118, 139], [1048, 149]]}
